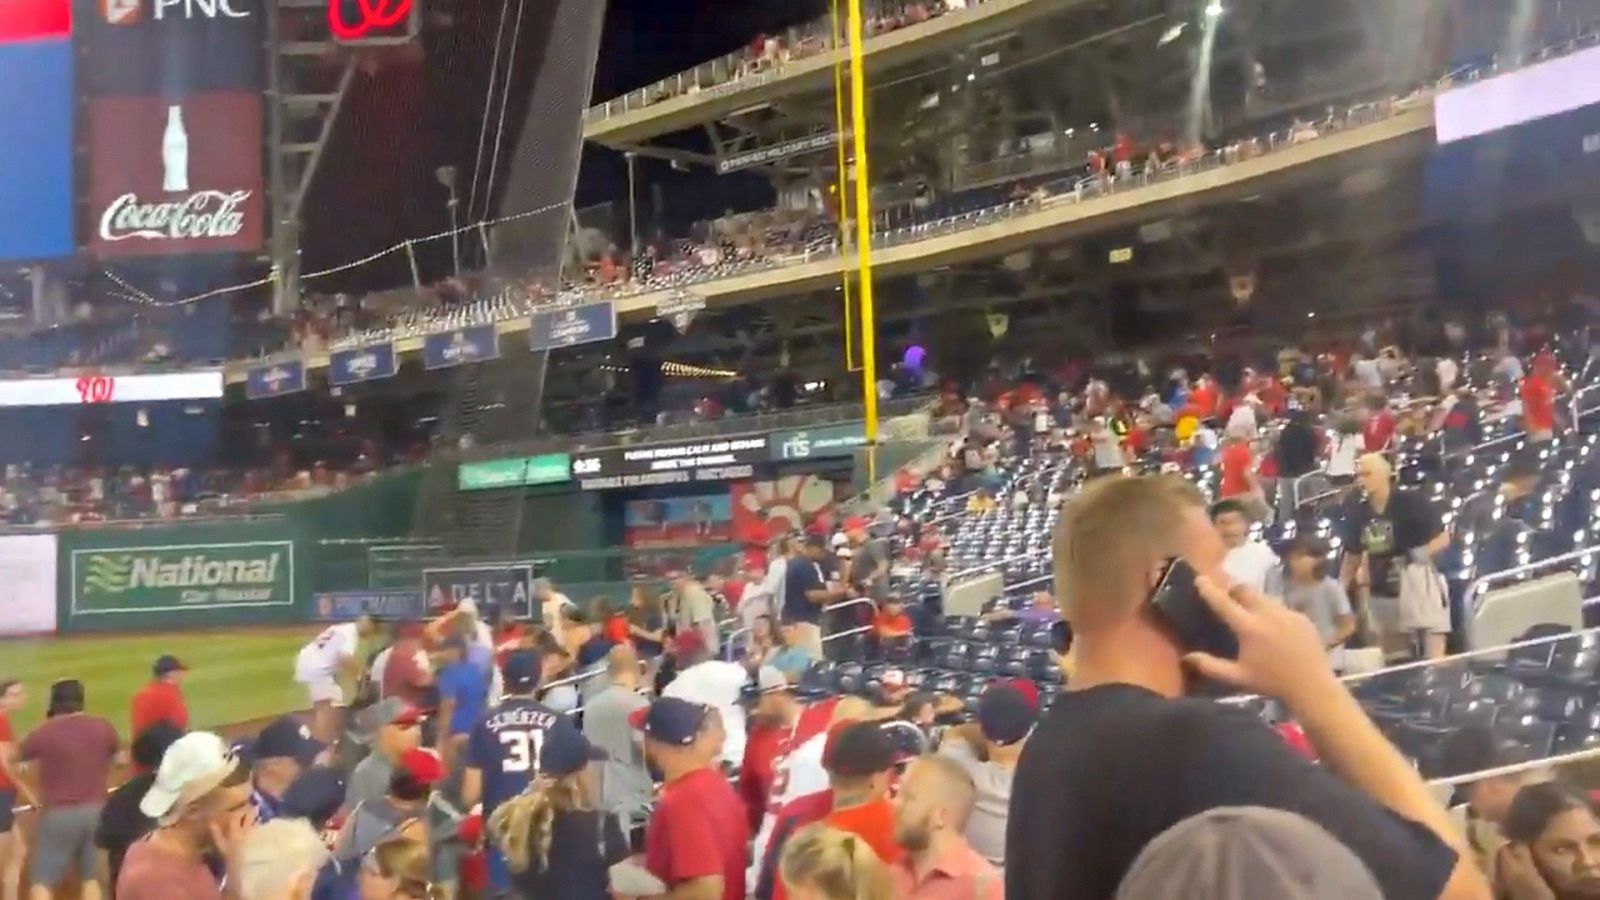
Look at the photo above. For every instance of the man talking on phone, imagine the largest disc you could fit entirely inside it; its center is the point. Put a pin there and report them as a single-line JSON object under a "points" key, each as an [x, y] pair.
{"points": [[1125, 754]]}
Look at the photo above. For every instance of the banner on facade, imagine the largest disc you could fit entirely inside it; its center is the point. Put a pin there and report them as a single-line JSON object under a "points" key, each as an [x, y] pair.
{"points": [[506, 586], [548, 468], [275, 380], [460, 346], [346, 606], [586, 324], [362, 364]]}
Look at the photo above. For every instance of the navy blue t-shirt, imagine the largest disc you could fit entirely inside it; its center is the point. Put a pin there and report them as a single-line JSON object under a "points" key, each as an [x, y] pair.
{"points": [[505, 746], [803, 575]]}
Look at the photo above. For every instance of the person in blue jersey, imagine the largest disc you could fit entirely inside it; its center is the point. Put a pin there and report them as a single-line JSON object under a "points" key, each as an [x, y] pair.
{"points": [[503, 748]]}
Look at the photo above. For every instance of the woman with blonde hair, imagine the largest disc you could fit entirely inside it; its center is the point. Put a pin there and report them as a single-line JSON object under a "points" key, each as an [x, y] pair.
{"points": [[557, 845], [821, 863], [396, 869]]}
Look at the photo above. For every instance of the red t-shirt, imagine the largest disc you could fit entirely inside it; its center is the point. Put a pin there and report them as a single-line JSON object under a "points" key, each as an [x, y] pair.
{"points": [[761, 748], [699, 829], [1204, 398], [403, 675], [73, 756], [886, 625], [793, 817], [616, 629], [6, 737], [1378, 431], [1235, 469], [157, 701], [1538, 403], [873, 822]]}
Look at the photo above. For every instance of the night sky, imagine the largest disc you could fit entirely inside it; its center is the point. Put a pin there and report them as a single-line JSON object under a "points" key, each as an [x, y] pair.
{"points": [[404, 118]]}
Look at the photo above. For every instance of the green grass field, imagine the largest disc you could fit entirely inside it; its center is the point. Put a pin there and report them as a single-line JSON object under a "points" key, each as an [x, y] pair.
{"points": [[233, 676]]}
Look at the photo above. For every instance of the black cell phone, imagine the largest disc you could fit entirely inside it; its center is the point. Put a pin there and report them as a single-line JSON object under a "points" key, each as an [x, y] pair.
{"points": [[1179, 606]]}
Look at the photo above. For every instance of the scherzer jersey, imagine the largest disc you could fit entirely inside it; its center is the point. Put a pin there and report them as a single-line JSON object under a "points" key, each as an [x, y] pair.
{"points": [[797, 772], [321, 657], [505, 747]]}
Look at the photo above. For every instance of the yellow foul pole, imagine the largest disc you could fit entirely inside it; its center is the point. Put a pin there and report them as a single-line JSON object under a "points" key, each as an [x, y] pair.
{"points": [[869, 336], [842, 186]]}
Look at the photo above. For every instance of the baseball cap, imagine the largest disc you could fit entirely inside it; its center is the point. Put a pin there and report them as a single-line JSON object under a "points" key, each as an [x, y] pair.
{"points": [[859, 749], [522, 669], [193, 766], [688, 643], [315, 796], [167, 664], [1004, 715], [1024, 686], [566, 751], [670, 721], [288, 738], [1233, 853], [423, 766], [388, 711]]}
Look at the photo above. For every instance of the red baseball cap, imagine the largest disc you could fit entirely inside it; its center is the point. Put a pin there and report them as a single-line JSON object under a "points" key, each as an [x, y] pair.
{"points": [[422, 765]]}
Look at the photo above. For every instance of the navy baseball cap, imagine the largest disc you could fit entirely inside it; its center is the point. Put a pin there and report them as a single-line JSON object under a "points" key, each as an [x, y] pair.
{"points": [[566, 751], [166, 664], [670, 721], [286, 738], [315, 796], [522, 669], [1005, 715]]}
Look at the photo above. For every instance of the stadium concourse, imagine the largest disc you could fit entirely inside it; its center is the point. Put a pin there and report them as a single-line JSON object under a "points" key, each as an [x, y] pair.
{"points": [[865, 714]]}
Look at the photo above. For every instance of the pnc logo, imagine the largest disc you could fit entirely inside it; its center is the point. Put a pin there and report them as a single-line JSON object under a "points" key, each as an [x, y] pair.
{"points": [[131, 12]]}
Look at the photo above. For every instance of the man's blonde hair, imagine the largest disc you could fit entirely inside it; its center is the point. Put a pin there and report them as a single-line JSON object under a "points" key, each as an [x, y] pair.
{"points": [[278, 855], [1115, 530]]}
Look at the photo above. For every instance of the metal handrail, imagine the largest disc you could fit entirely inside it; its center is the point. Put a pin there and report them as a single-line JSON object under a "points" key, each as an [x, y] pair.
{"points": [[1478, 586], [989, 566]]}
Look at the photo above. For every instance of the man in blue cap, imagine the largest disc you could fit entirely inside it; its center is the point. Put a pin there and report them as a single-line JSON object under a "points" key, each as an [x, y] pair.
{"points": [[280, 753], [504, 747]]}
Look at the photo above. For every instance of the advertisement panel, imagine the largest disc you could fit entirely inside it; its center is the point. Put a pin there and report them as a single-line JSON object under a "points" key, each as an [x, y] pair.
{"points": [[575, 325], [28, 590], [818, 443], [171, 48], [85, 389], [174, 176], [345, 606], [676, 463], [275, 380], [361, 364], [181, 577], [548, 468], [36, 114], [678, 521], [35, 20], [765, 510], [459, 347], [506, 586]]}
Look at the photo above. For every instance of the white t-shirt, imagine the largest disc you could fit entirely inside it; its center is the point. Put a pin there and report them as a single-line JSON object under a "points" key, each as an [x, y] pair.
{"points": [[719, 684], [1250, 563], [1342, 458], [1448, 372], [321, 658], [1368, 375]]}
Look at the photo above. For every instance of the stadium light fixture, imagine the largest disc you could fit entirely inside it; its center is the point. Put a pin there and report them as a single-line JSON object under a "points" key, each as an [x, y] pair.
{"points": [[1214, 9], [1172, 34]]}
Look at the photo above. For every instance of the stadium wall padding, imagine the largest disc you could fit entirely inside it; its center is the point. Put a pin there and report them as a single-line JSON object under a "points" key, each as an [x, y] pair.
{"points": [[223, 573]]}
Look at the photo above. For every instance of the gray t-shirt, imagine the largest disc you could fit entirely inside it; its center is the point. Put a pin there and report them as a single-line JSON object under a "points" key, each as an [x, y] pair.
{"points": [[986, 827], [865, 561], [369, 781], [695, 610], [625, 782], [1323, 603]]}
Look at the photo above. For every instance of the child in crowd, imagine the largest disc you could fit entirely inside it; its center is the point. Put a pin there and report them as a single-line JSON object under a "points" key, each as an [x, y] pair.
{"points": [[1308, 589]]}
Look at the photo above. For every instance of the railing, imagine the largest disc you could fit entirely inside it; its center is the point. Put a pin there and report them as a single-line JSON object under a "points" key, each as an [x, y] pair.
{"points": [[845, 604], [1477, 588], [743, 69], [997, 565]]}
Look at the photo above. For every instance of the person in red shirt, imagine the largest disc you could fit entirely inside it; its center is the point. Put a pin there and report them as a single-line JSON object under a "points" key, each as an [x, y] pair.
{"points": [[12, 849], [69, 757], [860, 771], [1539, 401], [1203, 397], [891, 623], [1238, 468], [161, 699], [407, 672], [1378, 430], [773, 720], [696, 841]]}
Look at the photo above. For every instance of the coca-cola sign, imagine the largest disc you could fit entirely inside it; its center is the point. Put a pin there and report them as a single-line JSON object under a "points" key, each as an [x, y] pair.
{"points": [[203, 214], [172, 176]]}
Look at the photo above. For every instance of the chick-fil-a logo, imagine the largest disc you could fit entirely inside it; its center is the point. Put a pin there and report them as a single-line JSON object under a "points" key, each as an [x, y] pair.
{"points": [[96, 388], [375, 15]]}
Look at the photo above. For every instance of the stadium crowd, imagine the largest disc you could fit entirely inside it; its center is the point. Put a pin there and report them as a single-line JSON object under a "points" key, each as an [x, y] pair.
{"points": [[778, 732]]}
